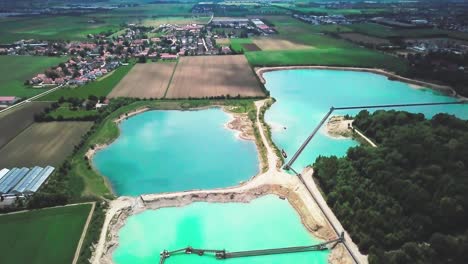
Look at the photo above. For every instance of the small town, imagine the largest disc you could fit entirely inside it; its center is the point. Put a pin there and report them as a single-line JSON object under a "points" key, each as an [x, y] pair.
{"points": [[236, 131]]}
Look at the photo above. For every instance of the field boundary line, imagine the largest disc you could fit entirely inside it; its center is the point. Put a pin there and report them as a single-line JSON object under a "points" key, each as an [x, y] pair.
{"points": [[170, 79], [44, 208], [83, 234]]}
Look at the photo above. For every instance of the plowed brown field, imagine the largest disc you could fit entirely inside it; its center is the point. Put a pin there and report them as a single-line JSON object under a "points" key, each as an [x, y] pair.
{"points": [[145, 80], [206, 76]]}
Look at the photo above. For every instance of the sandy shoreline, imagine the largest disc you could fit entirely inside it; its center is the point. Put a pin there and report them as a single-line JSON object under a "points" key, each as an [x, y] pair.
{"points": [[417, 84], [273, 181]]}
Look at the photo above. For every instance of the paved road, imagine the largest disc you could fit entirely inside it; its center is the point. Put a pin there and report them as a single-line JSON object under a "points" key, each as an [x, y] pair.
{"points": [[31, 99]]}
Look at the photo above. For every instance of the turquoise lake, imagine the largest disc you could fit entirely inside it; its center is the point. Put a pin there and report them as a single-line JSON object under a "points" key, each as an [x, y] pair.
{"points": [[168, 151], [266, 222], [305, 96]]}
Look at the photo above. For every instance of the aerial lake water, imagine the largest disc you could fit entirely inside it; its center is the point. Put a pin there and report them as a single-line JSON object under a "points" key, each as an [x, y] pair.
{"points": [[305, 96], [266, 222], [168, 151]]}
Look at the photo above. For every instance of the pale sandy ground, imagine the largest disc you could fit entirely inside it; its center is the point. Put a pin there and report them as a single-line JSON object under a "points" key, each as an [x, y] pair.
{"points": [[417, 84], [273, 181], [337, 127]]}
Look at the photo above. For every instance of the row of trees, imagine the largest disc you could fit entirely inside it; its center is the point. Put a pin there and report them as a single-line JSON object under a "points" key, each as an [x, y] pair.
{"points": [[407, 200]]}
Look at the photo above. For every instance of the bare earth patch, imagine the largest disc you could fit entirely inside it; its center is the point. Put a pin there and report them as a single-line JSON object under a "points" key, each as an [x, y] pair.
{"points": [[278, 44], [146, 80], [207, 76]]}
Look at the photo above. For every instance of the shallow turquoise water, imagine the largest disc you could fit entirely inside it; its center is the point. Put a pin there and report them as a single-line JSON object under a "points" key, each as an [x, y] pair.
{"points": [[266, 222], [167, 151], [305, 96]]}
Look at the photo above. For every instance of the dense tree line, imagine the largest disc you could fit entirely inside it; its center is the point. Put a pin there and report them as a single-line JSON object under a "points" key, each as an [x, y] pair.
{"points": [[405, 201], [443, 67]]}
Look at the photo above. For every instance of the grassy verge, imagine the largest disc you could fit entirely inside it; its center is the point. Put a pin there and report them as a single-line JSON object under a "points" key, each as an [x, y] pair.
{"points": [[42, 236], [93, 233]]}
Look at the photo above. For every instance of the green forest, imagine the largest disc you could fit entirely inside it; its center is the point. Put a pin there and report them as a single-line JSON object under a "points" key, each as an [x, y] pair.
{"points": [[405, 201]]}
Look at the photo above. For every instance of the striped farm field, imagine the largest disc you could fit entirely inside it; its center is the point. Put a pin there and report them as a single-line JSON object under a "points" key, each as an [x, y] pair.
{"points": [[211, 76], [43, 144], [146, 80]]}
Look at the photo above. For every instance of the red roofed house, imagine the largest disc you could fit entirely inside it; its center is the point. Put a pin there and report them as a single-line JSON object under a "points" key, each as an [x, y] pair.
{"points": [[8, 100], [167, 56]]}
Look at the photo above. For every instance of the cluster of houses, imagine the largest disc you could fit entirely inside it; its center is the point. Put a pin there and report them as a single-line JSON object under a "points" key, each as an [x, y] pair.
{"points": [[446, 45], [254, 26], [323, 20], [76, 71]]}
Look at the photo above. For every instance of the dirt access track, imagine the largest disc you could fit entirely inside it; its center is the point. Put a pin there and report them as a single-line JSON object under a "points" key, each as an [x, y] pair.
{"points": [[145, 80], [206, 76]]}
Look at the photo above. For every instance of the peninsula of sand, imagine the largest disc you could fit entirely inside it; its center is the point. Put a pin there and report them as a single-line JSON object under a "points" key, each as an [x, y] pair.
{"points": [[305, 197]]}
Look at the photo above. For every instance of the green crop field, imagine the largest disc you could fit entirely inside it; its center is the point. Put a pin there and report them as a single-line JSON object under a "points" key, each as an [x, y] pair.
{"points": [[329, 11], [42, 236], [382, 31], [15, 70], [323, 49], [97, 88], [51, 28], [78, 27]]}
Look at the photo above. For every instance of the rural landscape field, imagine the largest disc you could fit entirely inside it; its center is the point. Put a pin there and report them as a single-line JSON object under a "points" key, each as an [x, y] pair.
{"points": [[141, 131], [200, 77]]}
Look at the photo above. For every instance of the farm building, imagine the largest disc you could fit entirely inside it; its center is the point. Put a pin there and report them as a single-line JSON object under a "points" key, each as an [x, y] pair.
{"points": [[167, 56], [23, 180], [8, 100], [230, 21]]}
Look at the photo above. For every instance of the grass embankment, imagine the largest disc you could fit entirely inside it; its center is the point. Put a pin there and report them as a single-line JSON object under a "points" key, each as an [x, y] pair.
{"points": [[86, 182], [15, 70], [97, 88], [324, 49], [42, 236]]}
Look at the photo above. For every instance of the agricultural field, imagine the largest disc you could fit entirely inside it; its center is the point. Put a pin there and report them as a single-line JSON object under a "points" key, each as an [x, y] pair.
{"points": [[238, 44], [223, 41], [42, 236], [51, 28], [382, 31], [43, 144], [101, 87], [15, 70], [278, 44], [205, 76], [322, 49], [361, 38], [18, 119], [156, 22], [149, 80], [329, 11]]}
